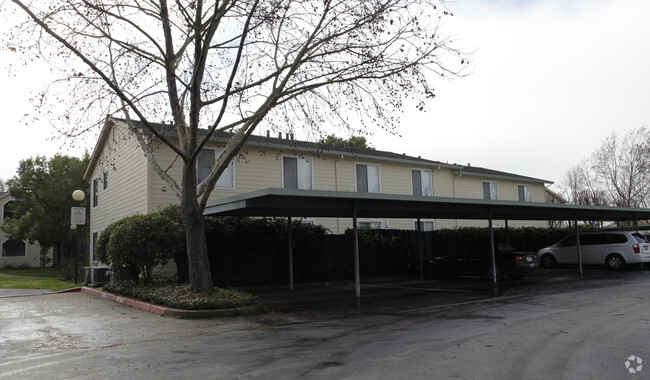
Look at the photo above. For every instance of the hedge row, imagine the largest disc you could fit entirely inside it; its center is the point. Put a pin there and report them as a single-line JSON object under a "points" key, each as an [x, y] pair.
{"points": [[253, 251]]}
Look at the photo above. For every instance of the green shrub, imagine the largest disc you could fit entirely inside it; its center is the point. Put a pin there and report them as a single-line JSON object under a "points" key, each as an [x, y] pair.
{"points": [[141, 242]]}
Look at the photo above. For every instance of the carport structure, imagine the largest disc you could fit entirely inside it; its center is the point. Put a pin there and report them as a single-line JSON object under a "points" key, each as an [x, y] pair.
{"points": [[316, 203]]}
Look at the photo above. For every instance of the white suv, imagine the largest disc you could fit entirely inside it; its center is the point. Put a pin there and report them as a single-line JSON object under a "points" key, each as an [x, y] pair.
{"points": [[614, 249]]}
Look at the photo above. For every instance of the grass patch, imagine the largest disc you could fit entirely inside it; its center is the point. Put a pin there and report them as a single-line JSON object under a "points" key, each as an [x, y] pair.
{"points": [[35, 272], [179, 296], [31, 282]]}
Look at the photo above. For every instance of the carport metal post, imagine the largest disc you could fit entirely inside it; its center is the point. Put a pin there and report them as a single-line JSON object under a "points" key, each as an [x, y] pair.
{"points": [[421, 249], [355, 229], [575, 224], [636, 229], [290, 239], [494, 263]]}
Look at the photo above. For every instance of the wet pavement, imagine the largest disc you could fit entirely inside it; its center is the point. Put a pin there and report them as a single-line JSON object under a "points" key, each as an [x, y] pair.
{"points": [[546, 325], [404, 294]]}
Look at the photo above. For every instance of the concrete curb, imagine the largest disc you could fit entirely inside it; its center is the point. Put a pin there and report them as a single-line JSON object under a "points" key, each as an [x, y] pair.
{"points": [[169, 312]]}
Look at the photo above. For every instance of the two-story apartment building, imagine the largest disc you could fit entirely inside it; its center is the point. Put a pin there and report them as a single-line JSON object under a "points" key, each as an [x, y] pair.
{"points": [[16, 253], [123, 182]]}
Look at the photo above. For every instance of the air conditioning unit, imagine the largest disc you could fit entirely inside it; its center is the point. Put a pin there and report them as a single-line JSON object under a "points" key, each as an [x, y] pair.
{"points": [[96, 275]]}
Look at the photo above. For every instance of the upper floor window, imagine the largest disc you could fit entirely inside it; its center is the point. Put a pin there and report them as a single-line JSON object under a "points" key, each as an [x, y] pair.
{"points": [[205, 163], [7, 210], [421, 183], [367, 178], [95, 192], [490, 190], [297, 173], [105, 180], [524, 193]]}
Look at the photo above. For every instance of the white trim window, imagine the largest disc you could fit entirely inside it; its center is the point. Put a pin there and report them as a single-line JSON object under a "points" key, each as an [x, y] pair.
{"points": [[421, 182], [367, 178], [93, 246], [490, 190], [425, 224], [524, 192], [370, 225], [205, 163], [297, 173], [95, 192], [105, 180]]}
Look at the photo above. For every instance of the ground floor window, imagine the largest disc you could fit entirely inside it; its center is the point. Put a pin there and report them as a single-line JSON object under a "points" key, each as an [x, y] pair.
{"points": [[13, 248], [425, 225], [371, 225]]}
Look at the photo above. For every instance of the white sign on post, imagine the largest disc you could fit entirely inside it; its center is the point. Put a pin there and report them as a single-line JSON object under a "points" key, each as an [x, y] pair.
{"points": [[78, 215]]}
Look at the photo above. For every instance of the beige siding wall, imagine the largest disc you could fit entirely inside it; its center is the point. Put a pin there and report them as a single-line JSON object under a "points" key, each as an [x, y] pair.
{"points": [[260, 168], [127, 189]]}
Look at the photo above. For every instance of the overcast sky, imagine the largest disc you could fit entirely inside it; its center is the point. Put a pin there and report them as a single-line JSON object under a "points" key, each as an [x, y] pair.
{"points": [[550, 80]]}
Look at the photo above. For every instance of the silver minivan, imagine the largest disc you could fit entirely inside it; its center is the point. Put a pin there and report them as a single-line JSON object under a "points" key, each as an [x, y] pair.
{"points": [[615, 249]]}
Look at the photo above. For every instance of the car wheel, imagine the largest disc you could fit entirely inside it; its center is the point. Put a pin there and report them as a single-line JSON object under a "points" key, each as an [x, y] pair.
{"points": [[547, 261], [615, 262], [490, 274]]}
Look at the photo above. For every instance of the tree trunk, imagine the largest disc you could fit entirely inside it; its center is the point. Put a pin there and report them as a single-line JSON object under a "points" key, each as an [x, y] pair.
{"points": [[197, 249], [197, 254]]}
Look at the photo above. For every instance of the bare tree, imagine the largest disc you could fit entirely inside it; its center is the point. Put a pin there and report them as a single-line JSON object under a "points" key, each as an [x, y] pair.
{"points": [[232, 65], [579, 187], [622, 168]]}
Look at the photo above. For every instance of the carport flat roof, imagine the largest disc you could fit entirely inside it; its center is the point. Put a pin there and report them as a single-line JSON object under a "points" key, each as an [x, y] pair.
{"points": [[274, 202]]}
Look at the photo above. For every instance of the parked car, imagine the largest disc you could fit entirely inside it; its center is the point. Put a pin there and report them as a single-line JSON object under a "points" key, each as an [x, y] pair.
{"points": [[614, 249], [510, 262]]}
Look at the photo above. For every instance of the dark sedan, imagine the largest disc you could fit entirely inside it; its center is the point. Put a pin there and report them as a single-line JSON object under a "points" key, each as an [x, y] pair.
{"points": [[510, 262]]}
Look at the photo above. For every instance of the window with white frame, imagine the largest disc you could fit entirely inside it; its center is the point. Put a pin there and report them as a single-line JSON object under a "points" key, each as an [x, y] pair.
{"points": [[95, 191], [524, 193], [367, 178], [425, 225], [422, 183], [105, 180], [370, 225], [205, 163], [297, 173], [95, 236], [490, 190]]}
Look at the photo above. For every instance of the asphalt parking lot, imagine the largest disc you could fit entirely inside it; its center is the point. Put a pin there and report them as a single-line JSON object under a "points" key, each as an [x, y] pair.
{"points": [[546, 325], [403, 294]]}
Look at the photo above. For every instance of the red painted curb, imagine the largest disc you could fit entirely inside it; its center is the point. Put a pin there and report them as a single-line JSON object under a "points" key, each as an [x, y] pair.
{"points": [[125, 301]]}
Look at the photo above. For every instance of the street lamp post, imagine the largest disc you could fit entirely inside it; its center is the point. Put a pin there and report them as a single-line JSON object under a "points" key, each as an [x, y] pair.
{"points": [[77, 217]]}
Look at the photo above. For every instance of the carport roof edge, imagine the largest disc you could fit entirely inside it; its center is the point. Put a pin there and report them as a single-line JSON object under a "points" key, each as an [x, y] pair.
{"points": [[275, 202]]}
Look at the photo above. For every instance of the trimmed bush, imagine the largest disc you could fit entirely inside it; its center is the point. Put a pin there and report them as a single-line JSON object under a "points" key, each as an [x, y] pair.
{"points": [[141, 242]]}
